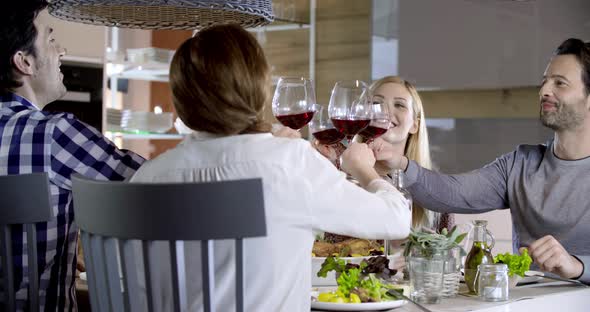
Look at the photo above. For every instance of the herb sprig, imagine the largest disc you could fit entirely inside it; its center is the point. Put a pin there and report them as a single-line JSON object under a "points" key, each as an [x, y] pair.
{"points": [[430, 242]]}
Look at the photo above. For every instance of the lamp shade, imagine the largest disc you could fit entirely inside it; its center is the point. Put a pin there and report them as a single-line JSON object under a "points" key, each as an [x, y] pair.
{"points": [[164, 14]]}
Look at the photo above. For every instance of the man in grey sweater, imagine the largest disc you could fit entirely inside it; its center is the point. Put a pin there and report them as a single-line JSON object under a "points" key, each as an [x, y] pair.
{"points": [[546, 187]]}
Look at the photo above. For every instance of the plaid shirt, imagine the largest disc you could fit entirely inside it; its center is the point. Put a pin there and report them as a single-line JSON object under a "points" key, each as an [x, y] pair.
{"points": [[35, 141]]}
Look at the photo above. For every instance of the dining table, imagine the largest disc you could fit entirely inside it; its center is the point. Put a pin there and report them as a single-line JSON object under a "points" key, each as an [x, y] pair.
{"points": [[543, 296]]}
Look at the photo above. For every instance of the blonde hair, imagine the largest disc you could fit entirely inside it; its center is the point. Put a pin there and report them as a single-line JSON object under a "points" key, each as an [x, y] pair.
{"points": [[220, 81], [417, 147]]}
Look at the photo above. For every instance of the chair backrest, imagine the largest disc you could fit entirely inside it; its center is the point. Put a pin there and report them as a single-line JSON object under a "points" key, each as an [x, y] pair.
{"points": [[25, 201], [122, 212]]}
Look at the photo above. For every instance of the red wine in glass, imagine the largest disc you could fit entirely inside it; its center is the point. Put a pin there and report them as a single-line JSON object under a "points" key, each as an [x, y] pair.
{"points": [[328, 136], [372, 132], [296, 121], [350, 127]]}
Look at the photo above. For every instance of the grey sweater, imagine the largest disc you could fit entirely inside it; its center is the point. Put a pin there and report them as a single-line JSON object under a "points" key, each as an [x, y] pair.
{"points": [[546, 196]]}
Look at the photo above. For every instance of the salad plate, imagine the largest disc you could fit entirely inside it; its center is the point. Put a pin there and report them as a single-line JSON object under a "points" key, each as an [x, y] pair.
{"points": [[520, 280], [535, 277], [365, 306]]}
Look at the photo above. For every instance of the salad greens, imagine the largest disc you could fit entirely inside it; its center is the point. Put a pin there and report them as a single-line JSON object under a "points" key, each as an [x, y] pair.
{"points": [[517, 264], [358, 283], [331, 264]]}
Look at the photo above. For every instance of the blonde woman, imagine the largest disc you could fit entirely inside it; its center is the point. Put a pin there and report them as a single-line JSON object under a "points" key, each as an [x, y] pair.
{"points": [[407, 136]]}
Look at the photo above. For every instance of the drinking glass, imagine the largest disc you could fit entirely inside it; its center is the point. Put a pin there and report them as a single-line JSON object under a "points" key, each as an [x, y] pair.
{"points": [[426, 278], [349, 107], [380, 119], [323, 130], [294, 101]]}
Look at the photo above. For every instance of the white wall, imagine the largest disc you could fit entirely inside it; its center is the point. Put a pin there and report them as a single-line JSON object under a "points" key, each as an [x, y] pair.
{"points": [[458, 44], [79, 39]]}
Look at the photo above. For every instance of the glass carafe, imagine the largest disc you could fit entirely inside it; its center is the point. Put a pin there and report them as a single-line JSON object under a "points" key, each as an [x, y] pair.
{"points": [[397, 177], [480, 253]]}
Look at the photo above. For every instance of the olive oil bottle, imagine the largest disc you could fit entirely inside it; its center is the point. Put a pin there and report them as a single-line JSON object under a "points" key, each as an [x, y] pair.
{"points": [[480, 253]]}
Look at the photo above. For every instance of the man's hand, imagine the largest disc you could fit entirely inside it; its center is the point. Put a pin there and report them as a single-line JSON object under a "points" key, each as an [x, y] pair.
{"points": [[550, 256], [285, 132], [387, 157]]}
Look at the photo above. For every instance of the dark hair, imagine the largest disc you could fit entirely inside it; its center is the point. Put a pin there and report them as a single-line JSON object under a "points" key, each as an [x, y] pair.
{"points": [[17, 33], [220, 81], [581, 50]]}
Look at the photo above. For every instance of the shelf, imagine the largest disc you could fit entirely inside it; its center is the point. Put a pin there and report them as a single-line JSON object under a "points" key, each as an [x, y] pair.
{"points": [[152, 71], [145, 136], [149, 71]]}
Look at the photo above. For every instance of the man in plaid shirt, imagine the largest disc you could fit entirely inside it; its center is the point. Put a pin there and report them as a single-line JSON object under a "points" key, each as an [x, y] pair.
{"points": [[35, 141]]}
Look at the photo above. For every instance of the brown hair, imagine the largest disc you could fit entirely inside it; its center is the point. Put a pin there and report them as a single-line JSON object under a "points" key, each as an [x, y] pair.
{"points": [[220, 81], [17, 33], [581, 50]]}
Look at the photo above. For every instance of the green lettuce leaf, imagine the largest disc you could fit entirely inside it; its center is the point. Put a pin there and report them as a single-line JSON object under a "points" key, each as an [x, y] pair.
{"points": [[331, 264], [517, 264], [348, 281]]}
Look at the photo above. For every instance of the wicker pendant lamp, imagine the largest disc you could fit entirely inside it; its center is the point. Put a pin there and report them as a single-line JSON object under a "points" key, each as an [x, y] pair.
{"points": [[164, 14]]}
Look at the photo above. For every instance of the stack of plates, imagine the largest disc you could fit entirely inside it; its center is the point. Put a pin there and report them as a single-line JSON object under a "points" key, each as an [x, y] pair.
{"points": [[147, 122], [116, 118]]}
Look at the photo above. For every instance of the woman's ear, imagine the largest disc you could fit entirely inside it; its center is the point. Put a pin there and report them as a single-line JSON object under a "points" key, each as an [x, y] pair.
{"points": [[415, 126]]}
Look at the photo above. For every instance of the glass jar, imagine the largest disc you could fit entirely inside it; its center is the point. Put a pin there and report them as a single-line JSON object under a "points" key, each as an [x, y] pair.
{"points": [[426, 278], [492, 282]]}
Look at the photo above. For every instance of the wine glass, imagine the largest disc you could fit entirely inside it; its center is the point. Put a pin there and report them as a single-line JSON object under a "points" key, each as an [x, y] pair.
{"points": [[380, 119], [323, 130], [349, 107], [294, 101]]}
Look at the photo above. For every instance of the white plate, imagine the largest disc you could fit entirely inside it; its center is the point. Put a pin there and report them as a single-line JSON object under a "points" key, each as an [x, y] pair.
{"points": [[366, 306], [530, 279], [522, 280]]}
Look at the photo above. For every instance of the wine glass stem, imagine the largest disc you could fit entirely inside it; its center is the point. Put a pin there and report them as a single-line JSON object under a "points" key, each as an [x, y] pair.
{"points": [[338, 154]]}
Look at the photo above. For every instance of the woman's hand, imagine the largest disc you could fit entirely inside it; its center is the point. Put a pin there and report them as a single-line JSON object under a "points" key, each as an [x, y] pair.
{"points": [[358, 161], [386, 155]]}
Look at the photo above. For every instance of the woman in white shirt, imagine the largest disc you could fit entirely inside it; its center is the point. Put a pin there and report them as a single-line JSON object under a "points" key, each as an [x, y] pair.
{"points": [[220, 85]]}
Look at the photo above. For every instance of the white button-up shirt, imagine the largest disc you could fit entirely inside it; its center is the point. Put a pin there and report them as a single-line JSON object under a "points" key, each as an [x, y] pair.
{"points": [[303, 193]]}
